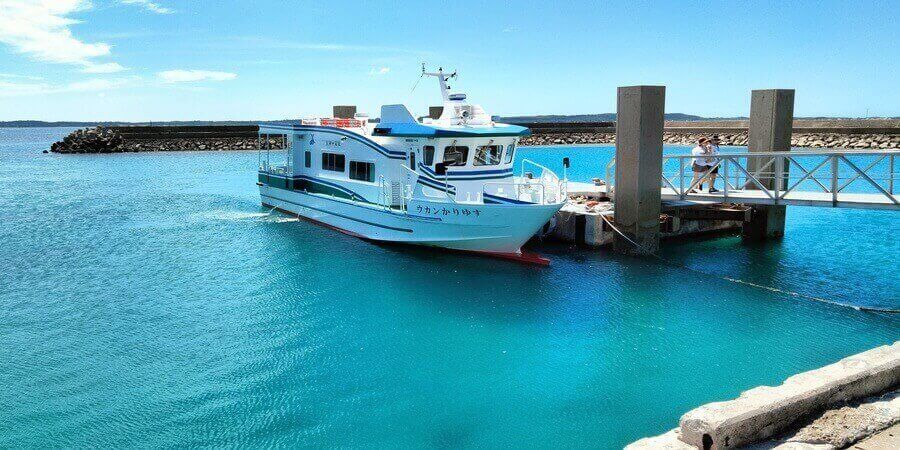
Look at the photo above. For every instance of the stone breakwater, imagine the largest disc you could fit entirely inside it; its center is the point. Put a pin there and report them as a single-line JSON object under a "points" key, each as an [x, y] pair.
{"points": [[810, 140], [91, 140], [215, 138], [109, 140]]}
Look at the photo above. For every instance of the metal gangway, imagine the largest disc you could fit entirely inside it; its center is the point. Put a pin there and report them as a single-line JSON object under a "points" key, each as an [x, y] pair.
{"points": [[864, 179]]}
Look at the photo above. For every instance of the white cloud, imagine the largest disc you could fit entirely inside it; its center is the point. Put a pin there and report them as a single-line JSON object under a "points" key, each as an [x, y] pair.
{"points": [[95, 84], [40, 29], [103, 68], [379, 71], [22, 77], [149, 6], [11, 89], [185, 76]]}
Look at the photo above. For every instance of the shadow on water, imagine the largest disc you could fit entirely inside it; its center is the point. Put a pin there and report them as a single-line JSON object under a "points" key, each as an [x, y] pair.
{"points": [[727, 254], [767, 257], [470, 285], [316, 259]]}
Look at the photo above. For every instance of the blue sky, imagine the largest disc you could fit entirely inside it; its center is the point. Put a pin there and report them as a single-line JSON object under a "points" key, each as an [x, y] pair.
{"points": [[265, 59]]}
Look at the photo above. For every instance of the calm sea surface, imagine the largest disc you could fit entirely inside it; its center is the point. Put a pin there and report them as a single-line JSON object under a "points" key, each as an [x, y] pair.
{"points": [[148, 300]]}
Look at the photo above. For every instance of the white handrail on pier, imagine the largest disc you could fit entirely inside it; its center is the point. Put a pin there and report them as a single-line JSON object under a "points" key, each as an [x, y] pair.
{"points": [[832, 178]]}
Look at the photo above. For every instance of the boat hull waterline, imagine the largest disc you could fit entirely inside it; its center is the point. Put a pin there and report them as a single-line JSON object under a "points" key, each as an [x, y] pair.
{"points": [[492, 229]]}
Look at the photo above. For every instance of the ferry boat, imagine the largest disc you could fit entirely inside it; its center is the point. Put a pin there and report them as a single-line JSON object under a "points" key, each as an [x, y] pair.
{"points": [[444, 182]]}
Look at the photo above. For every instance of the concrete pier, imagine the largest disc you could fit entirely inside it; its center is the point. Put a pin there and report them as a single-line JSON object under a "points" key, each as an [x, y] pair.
{"points": [[640, 111], [771, 122], [584, 220]]}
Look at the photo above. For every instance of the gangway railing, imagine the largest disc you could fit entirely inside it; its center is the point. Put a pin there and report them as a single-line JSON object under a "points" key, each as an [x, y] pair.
{"points": [[836, 178]]}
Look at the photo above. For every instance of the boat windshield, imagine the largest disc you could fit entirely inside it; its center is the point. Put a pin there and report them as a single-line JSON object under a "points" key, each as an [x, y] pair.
{"points": [[455, 155], [488, 155]]}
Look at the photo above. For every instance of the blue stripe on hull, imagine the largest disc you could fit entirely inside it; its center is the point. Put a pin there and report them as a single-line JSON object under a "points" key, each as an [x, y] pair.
{"points": [[405, 230], [353, 195], [463, 175], [436, 185], [504, 200], [349, 192]]}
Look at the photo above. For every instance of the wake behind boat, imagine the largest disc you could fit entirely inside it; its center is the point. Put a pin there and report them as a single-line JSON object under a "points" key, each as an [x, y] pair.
{"points": [[445, 182]]}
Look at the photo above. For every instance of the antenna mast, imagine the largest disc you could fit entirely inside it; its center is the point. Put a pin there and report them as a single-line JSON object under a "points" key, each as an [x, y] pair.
{"points": [[442, 79]]}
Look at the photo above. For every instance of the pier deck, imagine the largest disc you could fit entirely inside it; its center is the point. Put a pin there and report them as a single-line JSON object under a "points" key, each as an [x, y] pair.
{"points": [[755, 197], [801, 198]]}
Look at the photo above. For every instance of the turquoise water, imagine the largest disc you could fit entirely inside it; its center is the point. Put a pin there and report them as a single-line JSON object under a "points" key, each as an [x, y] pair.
{"points": [[148, 300]]}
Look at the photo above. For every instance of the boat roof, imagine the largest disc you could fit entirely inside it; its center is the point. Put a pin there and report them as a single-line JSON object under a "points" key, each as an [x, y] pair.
{"points": [[407, 129], [459, 120]]}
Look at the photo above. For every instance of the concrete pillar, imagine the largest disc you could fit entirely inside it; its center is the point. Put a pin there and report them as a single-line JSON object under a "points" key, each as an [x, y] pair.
{"points": [[639, 143], [344, 111], [435, 111], [771, 121]]}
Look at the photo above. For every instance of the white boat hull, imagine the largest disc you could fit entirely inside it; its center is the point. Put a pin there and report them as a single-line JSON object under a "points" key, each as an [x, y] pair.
{"points": [[490, 228]]}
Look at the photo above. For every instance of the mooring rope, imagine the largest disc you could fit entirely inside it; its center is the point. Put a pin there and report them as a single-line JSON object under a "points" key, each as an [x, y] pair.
{"points": [[751, 284]]}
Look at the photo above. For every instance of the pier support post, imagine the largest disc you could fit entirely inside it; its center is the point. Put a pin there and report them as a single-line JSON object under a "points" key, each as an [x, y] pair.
{"points": [[640, 114], [344, 111], [771, 120]]}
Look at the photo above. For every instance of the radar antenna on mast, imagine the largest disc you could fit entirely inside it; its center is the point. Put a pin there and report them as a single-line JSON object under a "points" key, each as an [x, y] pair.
{"points": [[442, 80]]}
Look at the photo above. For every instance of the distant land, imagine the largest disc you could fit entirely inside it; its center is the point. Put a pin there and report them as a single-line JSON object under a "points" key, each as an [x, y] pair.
{"points": [[611, 117], [553, 118], [41, 123], [605, 117]]}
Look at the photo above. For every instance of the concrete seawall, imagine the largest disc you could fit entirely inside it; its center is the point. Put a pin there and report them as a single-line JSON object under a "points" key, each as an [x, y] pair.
{"points": [[791, 415], [858, 134], [848, 126]]}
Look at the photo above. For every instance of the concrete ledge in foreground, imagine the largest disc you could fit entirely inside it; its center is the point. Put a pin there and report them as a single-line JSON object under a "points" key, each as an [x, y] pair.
{"points": [[764, 412]]}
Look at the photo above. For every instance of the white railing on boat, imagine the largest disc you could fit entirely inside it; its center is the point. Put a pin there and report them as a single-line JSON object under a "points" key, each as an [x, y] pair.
{"points": [[545, 189], [334, 122], [276, 160], [386, 193]]}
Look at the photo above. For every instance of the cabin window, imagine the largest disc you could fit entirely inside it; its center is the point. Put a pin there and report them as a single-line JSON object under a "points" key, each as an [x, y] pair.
{"points": [[510, 152], [429, 154], [412, 160], [362, 171], [307, 159], [333, 162], [455, 155], [488, 155]]}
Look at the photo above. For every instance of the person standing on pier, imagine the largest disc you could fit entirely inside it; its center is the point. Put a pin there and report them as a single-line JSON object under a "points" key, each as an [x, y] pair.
{"points": [[711, 160], [699, 164], [702, 164]]}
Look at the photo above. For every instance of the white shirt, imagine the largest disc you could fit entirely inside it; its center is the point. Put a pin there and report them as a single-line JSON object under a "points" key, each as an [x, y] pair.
{"points": [[699, 153], [713, 151]]}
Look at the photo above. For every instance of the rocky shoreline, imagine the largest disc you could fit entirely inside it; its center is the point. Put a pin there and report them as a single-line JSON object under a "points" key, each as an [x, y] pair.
{"points": [[106, 140], [810, 140]]}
